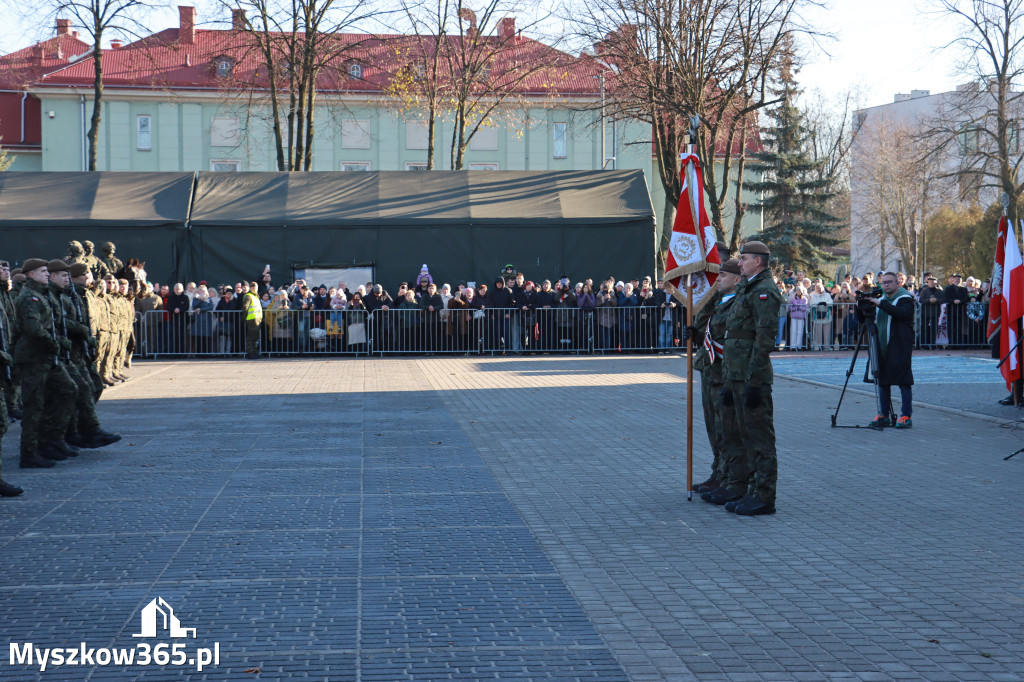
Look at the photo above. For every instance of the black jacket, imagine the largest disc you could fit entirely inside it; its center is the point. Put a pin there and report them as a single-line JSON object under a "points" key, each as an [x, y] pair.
{"points": [[895, 369], [501, 298]]}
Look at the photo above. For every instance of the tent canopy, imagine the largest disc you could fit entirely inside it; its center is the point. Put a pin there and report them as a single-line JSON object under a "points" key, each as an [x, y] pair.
{"points": [[392, 198], [226, 226]]}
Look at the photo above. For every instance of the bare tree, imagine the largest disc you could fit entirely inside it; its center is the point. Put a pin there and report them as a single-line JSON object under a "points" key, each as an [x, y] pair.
{"points": [[979, 125], [303, 47], [710, 58], [99, 19], [899, 185]]}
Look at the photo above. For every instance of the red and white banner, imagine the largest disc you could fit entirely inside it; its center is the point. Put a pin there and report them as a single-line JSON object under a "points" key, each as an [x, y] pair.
{"points": [[995, 306], [1012, 304], [691, 250]]}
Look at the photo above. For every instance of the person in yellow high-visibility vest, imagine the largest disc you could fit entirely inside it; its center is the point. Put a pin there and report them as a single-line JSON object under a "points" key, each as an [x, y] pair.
{"points": [[253, 318]]}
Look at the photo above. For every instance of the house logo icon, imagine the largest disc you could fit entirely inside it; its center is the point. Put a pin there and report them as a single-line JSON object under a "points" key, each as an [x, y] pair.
{"points": [[169, 621]]}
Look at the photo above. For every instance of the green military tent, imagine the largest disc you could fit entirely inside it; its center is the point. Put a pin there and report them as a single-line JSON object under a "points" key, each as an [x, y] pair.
{"points": [[227, 226]]}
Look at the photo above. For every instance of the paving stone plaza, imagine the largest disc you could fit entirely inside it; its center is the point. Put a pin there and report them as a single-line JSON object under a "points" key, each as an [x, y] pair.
{"points": [[516, 518]]}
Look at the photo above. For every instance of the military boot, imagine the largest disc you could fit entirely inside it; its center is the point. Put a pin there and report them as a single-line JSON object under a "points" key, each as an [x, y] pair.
{"points": [[56, 450], [36, 461], [706, 486], [722, 496], [753, 505], [100, 439], [8, 490]]}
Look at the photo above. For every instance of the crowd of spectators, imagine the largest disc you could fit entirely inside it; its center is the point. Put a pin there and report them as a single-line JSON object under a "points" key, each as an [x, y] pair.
{"points": [[819, 315], [515, 314]]}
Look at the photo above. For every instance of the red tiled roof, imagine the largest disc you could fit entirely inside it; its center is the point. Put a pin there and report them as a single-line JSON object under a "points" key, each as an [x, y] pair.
{"points": [[164, 61], [19, 114]]}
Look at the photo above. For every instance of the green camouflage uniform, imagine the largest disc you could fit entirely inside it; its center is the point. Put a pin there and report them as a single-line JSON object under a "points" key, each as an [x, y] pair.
{"points": [[749, 341], [46, 389], [80, 301], [719, 418], [6, 360], [83, 419], [10, 398]]}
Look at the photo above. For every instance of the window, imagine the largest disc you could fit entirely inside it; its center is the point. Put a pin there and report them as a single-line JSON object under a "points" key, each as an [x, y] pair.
{"points": [[225, 166], [355, 165], [415, 165], [224, 131], [419, 72], [969, 136], [223, 67], [355, 70], [416, 135], [144, 133], [485, 139], [561, 147], [483, 166], [355, 134]]}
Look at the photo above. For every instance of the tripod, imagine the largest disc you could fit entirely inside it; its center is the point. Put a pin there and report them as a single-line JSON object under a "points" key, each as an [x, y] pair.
{"points": [[868, 339]]}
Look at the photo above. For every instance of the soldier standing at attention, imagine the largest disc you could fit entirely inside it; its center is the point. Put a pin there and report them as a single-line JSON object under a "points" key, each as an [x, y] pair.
{"points": [[749, 341], [7, 298], [112, 262], [47, 391], [76, 252], [96, 266], [80, 293], [6, 363], [732, 467]]}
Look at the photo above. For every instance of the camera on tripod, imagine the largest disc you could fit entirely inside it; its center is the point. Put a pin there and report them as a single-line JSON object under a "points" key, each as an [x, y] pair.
{"points": [[866, 309]]}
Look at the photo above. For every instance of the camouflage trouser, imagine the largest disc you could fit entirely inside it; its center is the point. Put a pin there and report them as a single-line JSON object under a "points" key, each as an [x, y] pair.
{"points": [[103, 355], [4, 421], [735, 463], [49, 396], [83, 420], [707, 391], [757, 432], [118, 352]]}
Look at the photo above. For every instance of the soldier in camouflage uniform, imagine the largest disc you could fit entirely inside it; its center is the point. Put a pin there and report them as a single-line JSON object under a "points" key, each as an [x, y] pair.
{"points": [[7, 297], [112, 262], [125, 332], [76, 252], [6, 364], [749, 341], [47, 391], [107, 326], [81, 294], [96, 266], [731, 470], [84, 427]]}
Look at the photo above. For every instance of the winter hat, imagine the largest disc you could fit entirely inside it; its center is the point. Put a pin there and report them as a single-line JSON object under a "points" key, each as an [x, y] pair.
{"points": [[424, 275]]}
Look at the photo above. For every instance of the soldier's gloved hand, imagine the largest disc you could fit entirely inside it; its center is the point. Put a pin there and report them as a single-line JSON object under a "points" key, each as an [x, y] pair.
{"points": [[64, 342], [727, 396], [687, 333], [6, 359], [752, 397]]}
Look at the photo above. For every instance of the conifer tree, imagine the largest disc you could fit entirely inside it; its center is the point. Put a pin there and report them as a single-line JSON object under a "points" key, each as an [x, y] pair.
{"points": [[794, 192]]}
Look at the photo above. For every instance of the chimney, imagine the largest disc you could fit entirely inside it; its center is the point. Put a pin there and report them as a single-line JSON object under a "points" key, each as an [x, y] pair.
{"points": [[187, 26], [38, 52], [115, 44], [900, 97], [238, 19], [507, 29], [915, 94], [63, 27]]}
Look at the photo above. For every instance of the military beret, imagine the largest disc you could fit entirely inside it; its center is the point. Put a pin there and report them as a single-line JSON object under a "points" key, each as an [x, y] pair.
{"points": [[15, 271], [732, 265], [33, 264], [57, 265], [18, 277], [757, 248], [78, 269]]}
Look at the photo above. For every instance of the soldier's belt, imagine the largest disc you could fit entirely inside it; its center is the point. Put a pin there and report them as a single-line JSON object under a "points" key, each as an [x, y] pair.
{"points": [[740, 334]]}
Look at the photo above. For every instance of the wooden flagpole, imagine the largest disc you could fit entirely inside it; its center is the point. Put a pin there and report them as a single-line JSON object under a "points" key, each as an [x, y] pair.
{"points": [[689, 391]]}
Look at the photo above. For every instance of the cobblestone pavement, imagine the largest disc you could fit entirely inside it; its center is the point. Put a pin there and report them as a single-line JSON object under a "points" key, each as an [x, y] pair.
{"points": [[454, 518]]}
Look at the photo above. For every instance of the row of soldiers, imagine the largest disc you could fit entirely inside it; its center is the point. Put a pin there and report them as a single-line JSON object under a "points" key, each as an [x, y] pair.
{"points": [[63, 338], [101, 268], [735, 335]]}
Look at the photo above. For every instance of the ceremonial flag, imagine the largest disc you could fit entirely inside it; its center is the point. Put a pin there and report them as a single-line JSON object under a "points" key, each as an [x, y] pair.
{"points": [[691, 250], [995, 306], [1012, 304]]}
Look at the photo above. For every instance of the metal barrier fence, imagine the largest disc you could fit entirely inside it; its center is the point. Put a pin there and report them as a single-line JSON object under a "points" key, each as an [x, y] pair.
{"points": [[213, 333]]}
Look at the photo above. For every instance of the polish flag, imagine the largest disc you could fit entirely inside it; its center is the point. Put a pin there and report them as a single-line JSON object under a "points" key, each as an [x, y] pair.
{"points": [[995, 306], [691, 249], [1012, 304]]}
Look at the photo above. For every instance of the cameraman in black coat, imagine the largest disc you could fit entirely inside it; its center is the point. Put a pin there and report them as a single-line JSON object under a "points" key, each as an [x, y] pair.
{"points": [[894, 317]]}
